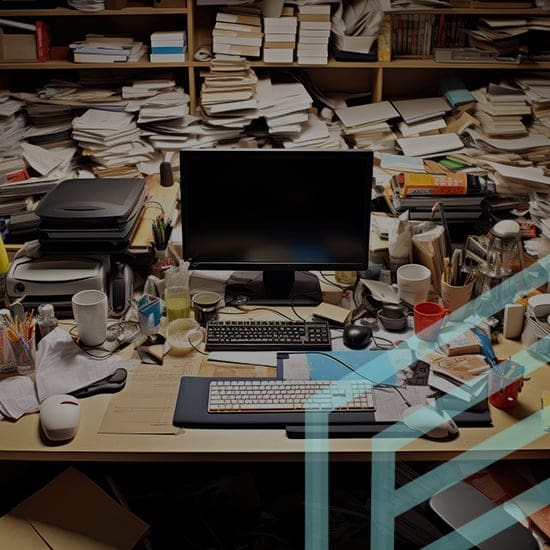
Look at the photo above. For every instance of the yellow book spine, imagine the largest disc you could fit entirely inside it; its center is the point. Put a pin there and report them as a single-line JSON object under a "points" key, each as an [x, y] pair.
{"points": [[433, 184]]}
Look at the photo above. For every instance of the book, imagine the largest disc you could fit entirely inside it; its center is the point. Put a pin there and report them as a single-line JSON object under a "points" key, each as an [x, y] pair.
{"points": [[413, 183], [464, 344], [98, 58], [461, 369], [43, 40], [167, 57]]}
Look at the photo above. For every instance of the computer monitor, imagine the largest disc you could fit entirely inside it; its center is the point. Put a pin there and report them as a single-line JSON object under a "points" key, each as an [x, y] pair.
{"points": [[274, 215]]}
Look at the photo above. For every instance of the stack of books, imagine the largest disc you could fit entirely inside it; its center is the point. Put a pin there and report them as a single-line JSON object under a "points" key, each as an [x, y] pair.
{"points": [[280, 37], [500, 110], [98, 48], [463, 376], [168, 46], [460, 194], [313, 34], [238, 31]]}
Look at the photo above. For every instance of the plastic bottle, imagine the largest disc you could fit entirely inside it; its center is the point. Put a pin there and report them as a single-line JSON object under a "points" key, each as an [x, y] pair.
{"points": [[46, 318], [4, 267], [176, 292]]}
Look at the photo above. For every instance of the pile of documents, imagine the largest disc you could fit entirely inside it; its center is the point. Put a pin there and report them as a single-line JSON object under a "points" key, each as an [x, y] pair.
{"points": [[280, 37], [97, 48], [314, 33], [367, 126], [110, 139], [238, 31], [500, 110]]}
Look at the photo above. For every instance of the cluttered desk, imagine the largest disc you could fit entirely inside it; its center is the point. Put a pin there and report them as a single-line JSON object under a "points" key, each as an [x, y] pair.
{"points": [[343, 361]]}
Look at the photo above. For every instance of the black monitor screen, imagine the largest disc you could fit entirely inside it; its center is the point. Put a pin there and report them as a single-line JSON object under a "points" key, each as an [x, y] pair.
{"points": [[276, 210]]}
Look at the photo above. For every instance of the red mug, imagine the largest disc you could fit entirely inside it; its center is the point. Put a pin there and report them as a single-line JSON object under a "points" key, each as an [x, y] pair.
{"points": [[429, 318], [505, 383]]}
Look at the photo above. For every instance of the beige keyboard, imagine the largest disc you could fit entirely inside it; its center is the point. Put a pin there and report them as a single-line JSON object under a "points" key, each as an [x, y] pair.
{"points": [[234, 396]]}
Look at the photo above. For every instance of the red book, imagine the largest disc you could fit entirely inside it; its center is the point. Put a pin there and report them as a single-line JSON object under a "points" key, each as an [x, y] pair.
{"points": [[42, 41], [18, 175]]}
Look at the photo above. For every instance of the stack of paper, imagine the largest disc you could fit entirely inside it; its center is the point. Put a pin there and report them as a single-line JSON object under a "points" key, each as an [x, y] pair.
{"points": [[367, 126], [230, 76], [110, 139], [12, 124], [97, 48], [238, 31], [463, 376], [284, 107], [313, 34], [280, 37], [413, 111], [500, 111]]}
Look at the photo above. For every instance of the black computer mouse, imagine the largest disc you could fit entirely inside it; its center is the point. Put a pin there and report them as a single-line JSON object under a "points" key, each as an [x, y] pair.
{"points": [[357, 336]]}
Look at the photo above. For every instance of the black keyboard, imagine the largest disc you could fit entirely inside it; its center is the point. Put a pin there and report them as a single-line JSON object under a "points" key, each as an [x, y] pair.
{"points": [[267, 335]]}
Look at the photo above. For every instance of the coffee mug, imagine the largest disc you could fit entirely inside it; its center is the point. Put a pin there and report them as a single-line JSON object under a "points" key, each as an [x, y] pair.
{"points": [[90, 314], [205, 306], [413, 283], [393, 317], [505, 383], [429, 318]]}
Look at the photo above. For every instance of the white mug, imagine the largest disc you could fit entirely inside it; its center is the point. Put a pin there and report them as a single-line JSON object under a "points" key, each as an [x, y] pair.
{"points": [[413, 283], [90, 314]]}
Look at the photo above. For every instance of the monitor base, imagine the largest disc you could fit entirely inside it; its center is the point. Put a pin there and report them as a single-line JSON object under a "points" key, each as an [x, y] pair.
{"points": [[256, 288]]}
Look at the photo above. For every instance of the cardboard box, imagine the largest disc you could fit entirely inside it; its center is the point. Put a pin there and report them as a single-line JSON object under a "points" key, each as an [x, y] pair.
{"points": [[17, 47], [71, 512]]}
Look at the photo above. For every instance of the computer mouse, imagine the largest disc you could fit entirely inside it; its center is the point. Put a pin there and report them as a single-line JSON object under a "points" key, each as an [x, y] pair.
{"points": [[59, 417], [357, 336], [429, 422]]}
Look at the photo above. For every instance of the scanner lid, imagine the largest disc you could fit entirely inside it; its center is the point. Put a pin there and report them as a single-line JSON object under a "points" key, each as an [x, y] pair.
{"points": [[101, 201]]}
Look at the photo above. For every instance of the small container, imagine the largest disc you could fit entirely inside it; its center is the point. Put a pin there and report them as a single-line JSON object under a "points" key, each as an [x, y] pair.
{"points": [[183, 335], [46, 318], [176, 293], [205, 306]]}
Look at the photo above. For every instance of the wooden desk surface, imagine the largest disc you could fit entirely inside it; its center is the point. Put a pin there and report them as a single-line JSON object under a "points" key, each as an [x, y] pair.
{"points": [[21, 440]]}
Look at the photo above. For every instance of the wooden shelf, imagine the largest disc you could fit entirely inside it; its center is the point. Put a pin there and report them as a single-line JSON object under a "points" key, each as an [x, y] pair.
{"points": [[405, 77], [66, 12]]}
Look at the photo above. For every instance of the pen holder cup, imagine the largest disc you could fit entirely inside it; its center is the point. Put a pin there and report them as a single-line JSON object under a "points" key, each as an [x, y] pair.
{"points": [[455, 297], [24, 354]]}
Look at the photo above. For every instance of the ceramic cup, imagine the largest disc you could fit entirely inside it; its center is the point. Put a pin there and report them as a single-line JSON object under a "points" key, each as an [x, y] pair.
{"points": [[393, 317], [505, 383], [413, 283], [429, 318], [205, 306], [90, 314]]}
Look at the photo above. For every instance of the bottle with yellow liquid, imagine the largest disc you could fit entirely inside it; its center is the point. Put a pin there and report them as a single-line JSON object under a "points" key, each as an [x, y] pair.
{"points": [[176, 292]]}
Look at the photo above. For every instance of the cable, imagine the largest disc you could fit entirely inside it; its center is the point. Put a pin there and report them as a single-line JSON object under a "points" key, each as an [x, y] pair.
{"points": [[349, 367]]}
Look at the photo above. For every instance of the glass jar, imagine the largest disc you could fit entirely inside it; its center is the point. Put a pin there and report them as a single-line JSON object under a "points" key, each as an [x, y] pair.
{"points": [[176, 293]]}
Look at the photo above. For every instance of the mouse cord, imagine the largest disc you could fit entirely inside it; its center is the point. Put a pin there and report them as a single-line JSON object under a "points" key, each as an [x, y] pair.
{"points": [[349, 367]]}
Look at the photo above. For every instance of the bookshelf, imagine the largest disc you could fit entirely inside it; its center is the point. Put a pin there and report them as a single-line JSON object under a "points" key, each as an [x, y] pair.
{"points": [[398, 77]]}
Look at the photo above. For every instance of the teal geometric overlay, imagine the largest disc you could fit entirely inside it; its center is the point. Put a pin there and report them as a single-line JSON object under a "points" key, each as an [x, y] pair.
{"points": [[387, 502]]}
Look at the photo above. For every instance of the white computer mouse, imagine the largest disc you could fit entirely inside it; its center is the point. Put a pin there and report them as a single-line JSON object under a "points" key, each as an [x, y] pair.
{"points": [[425, 420], [59, 417]]}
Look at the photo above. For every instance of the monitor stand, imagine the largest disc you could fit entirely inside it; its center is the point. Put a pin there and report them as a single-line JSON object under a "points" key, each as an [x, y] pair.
{"points": [[273, 288]]}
